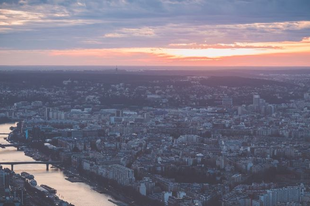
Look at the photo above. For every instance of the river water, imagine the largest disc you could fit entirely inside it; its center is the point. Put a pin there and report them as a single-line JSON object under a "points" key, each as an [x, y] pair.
{"points": [[79, 194]]}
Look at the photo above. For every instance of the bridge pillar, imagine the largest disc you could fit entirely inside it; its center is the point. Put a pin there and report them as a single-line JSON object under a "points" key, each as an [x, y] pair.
{"points": [[47, 167], [12, 167]]}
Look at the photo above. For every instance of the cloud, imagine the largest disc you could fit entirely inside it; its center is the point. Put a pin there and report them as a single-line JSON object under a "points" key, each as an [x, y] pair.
{"points": [[235, 45], [205, 51], [136, 32], [39, 19], [306, 40], [14, 17], [177, 26], [270, 27]]}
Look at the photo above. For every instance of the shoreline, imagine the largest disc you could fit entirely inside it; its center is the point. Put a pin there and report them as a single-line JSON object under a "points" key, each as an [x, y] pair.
{"points": [[115, 196]]}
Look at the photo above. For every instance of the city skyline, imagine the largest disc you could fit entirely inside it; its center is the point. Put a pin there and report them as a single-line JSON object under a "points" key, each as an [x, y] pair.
{"points": [[155, 33]]}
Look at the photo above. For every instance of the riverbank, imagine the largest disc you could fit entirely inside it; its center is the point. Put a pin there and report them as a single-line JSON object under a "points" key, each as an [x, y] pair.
{"points": [[127, 195], [73, 176], [20, 189], [78, 194]]}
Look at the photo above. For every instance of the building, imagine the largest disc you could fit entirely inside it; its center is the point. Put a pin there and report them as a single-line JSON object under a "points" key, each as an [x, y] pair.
{"points": [[227, 102], [122, 175]]}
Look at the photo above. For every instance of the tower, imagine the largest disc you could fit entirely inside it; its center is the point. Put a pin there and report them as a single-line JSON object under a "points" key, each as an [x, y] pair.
{"points": [[256, 100]]}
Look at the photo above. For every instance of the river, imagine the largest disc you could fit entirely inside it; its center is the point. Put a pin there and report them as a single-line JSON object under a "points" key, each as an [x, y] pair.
{"points": [[79, 194]]}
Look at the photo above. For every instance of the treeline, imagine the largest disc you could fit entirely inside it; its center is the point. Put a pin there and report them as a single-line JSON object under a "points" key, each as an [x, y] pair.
{"points": [[186, 174]]}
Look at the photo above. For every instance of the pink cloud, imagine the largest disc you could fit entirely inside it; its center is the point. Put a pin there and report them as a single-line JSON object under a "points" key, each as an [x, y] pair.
{"points": [[238, 54]]}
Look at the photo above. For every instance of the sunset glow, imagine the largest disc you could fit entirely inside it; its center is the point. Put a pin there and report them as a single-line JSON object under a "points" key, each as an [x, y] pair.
{"points": [[55, 34]]}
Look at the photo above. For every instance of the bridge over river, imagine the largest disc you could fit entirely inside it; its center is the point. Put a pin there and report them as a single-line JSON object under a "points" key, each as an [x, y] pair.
{"points": [[11, 145], [47, 163]]}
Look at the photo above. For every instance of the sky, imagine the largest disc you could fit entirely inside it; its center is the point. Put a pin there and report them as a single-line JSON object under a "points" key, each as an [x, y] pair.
{"points": [[155, 32]]}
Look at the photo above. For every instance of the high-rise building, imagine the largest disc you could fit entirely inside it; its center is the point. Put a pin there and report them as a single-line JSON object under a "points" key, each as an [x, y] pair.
{"points": [[270, 109], [227, 101], [55, 114], [119, 113], [256, 100], [47, 113], [287, 194]]}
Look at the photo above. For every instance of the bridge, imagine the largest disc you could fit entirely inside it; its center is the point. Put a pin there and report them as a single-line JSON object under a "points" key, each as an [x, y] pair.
{"points": [[11, 145], [47, 163]]}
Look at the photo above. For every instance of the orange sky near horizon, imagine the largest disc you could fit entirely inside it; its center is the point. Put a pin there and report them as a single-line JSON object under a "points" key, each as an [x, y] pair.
{"points": [[238, 54]]}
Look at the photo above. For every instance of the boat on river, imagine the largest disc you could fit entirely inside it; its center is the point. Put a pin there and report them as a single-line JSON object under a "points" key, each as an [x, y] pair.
{"points": [[118, 202], [49, 189]]}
